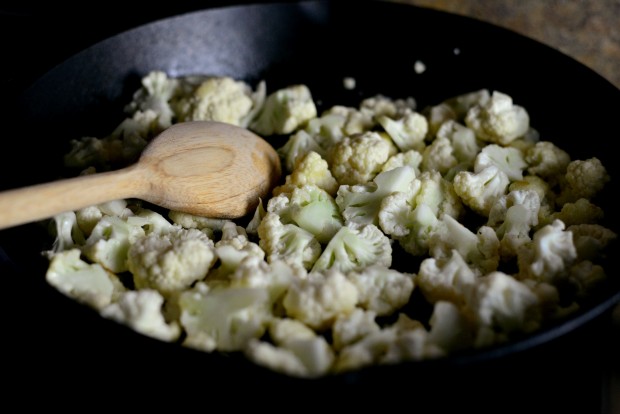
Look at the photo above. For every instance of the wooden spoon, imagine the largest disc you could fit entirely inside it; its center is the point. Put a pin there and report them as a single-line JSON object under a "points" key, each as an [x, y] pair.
{"points": [[205, 168]]}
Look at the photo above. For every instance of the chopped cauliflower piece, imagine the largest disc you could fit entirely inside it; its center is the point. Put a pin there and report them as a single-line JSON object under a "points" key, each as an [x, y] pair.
{"points": [[284, 111]]}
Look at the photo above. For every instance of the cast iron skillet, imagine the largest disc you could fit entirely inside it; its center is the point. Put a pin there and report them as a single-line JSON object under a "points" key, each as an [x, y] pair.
{"points": [[316, 43]]}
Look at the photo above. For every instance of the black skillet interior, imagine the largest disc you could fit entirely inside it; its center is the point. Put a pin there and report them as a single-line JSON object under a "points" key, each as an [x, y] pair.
{"points": [[316, 43]]}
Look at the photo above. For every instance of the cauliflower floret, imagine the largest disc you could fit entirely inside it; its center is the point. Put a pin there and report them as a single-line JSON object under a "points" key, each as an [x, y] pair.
{"points": [[284, 111], [547, 160], [451, 329], [465, 145], [480, 249], [110, 241], [87, 283], [354, 247], [297, 146], [67, 233], [155, 94], [358, 158], [282, 330], [582, 211], [498, 120], [480, 190], [411, 158], [381, 289], [306, 358], [314, 210], [414, 235], [361, 204], [223, 99], [514, 216], [407, 132], [142, 311], [287, 242], [501, 303], [352, 327], [224, 319], [586, 276], [550, 254], [232, 249], [591, 240], [275, 277], [88, 217], [583, 179], [170, 262], [439, 156], [310, 169], [508, 159], [318, 299], [191, 221], [446, 279]]}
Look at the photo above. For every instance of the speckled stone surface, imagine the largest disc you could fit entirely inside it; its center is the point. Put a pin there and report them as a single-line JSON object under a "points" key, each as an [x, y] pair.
{"points": [[586, 30]]}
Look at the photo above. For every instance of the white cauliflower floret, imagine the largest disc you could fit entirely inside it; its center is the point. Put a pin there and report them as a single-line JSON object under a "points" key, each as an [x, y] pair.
{"points": [[310, 169], [411, 158], [391, 345], [358, 158], [381, 289], [284, 111], [461, 104], [232, 249], [451, 329], [480, 190], [224, 319], [170, 262], [503, 304], [547, 160], [287, 242], [445, 279], [550, 254], [381, 105], [318, 299], [498, 120], [275, 277], [223, 99], [407, 132], [360, 204], [142, 311], [305, 358], [352, 327], [88, 217], [67, 233], [420, 225], [282, 330], [439, 156], [314, 210], [110, 241], [87, 283], [207, 225], [155, 94], [508, 159], [583, 179], [514, 216], [465, 145], [480, 249], [297, 146], [355, 247]]}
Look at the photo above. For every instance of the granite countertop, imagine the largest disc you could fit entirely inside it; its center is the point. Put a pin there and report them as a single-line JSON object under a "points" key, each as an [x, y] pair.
{"points": [[586, 30]]}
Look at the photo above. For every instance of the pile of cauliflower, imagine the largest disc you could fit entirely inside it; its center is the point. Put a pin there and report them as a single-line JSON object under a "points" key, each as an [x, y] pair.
{"points": [[460, 206]]}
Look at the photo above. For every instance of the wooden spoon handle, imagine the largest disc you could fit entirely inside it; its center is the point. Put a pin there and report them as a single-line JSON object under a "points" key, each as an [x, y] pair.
{"points": [[41, 201]]}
